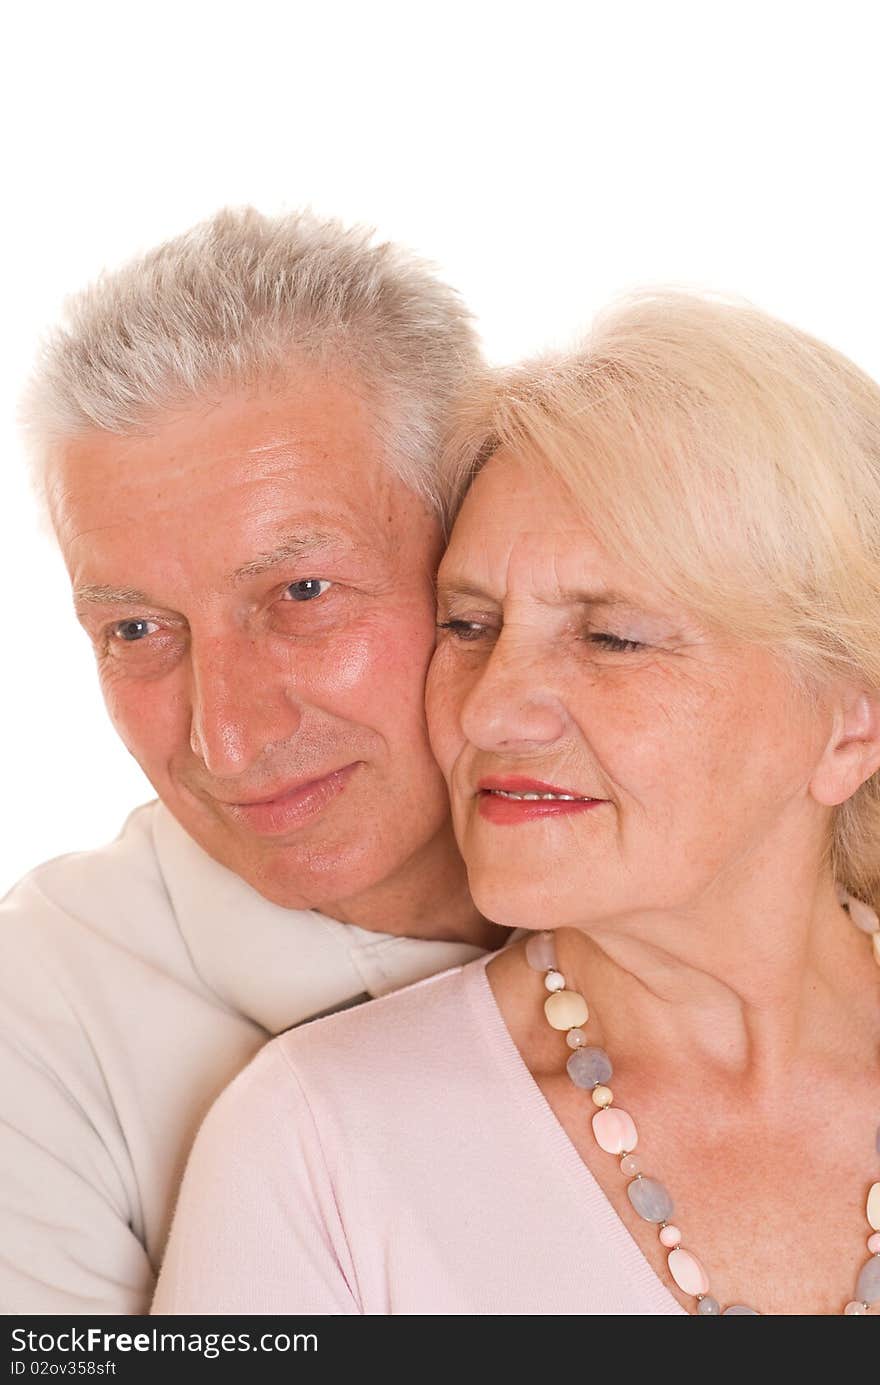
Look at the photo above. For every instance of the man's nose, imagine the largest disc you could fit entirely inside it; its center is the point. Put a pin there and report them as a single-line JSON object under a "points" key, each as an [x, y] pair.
{"points": [[513, 705], [241, 705]]}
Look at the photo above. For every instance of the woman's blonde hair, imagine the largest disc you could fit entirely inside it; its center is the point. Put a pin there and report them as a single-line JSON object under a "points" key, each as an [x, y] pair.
{"points": [[732, 460]]}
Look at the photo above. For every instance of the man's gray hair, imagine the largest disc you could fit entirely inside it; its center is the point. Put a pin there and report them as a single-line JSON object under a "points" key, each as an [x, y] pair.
{"points": [[243, 298]]}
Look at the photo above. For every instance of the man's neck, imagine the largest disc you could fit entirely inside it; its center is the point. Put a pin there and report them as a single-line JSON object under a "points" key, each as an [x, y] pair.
{"points": [[428, 897]]}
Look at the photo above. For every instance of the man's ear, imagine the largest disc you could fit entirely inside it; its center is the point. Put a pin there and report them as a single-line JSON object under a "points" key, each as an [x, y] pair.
{"points": [[852, 753]]}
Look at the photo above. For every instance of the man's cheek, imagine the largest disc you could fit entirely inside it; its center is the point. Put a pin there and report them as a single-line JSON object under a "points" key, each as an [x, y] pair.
{"points": [[388, 661], [149, 720]]}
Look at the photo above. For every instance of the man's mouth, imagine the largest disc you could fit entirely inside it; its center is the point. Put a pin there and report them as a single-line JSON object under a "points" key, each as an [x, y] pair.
{"points": [[289, 806]]}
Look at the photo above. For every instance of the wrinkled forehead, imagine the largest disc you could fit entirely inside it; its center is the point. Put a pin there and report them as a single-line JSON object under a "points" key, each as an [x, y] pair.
{"points": [[517, 517], [230, 465]]}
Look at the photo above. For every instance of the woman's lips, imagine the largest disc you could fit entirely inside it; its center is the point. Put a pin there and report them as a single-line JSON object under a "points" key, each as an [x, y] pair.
{"points": [[509, 800], [272, 817]]}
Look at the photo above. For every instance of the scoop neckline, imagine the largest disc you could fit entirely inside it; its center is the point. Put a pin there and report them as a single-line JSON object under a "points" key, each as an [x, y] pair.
{"points": [[546, 1125]]}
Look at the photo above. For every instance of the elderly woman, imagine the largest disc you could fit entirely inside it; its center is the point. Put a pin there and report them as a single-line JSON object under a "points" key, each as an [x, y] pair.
{"points": [[656, 699]]}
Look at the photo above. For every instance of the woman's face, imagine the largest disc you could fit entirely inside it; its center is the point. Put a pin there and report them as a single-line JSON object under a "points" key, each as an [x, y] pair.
{"points": [[679, 759]]}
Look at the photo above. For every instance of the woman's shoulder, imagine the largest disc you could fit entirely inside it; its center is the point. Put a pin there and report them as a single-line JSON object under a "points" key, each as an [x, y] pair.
{"points": [[425, 1025], [364, 1090]]}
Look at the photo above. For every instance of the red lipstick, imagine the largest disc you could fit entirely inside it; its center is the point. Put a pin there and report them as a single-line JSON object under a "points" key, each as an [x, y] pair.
{"points": [[510, 799]]}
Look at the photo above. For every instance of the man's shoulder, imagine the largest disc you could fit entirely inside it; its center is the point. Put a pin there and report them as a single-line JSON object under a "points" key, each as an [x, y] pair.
{"points": [[89, 899]]}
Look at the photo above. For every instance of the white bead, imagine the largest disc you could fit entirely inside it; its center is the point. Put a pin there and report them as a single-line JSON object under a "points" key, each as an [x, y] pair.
{"points": [[554, 981], [566, 1010]]}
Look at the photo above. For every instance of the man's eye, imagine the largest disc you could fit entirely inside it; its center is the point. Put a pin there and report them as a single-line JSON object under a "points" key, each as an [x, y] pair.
{"points": [[130, 631], [306, 590]]}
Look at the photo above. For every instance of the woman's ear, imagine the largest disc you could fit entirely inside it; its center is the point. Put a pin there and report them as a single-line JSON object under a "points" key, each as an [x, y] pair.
{"points": [[852, 753]]}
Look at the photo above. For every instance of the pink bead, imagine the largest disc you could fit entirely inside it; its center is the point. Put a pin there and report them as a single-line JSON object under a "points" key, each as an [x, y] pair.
{"points": [[615, 1131], [874, 1243], [687, 1272], [670, 1236], [863, 916], [541, 952]]}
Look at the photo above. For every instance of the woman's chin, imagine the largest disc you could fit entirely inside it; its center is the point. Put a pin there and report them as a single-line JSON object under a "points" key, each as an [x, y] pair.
{"points": [[518, 903]]}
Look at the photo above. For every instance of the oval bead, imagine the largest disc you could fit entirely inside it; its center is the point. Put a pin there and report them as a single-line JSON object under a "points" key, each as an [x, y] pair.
{"points": [[541, 952], [566, 1010], [589, 1067], [615, 1131], [872, 1208], [855, 1309], [868, 1282], [740, 1310], [650, 1199], [842, 893], [863, 916], [687, 1272]]}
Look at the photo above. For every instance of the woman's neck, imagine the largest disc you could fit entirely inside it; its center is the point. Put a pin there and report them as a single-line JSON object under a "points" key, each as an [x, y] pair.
{"points": [[748, 993]]}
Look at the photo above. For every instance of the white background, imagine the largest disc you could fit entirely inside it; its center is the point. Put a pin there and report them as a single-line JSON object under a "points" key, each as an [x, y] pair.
{"points": [[547, 156]]}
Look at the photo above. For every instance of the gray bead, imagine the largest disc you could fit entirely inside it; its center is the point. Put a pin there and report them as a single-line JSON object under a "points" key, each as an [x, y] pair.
{"points": [[650, 1199], [868, 1282], [708, 1305], [587, 1067], [739, 1310]]}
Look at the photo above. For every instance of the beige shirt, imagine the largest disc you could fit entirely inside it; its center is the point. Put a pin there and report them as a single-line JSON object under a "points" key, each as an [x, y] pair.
{"points": [[135, 982]]}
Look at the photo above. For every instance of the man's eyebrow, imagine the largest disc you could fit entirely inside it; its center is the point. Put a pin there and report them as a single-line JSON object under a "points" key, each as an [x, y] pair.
{"points": [[95, 595], [291, 548]]}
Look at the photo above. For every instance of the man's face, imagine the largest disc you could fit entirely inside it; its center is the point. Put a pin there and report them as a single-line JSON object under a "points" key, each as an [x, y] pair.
{"points": [[258, 587]]}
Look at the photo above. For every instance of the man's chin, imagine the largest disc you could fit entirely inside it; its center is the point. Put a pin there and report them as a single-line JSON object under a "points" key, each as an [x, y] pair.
{"points": [[292, 872]]}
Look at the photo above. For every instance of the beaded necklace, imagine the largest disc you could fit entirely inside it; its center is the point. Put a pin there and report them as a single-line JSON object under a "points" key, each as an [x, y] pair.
{"points": [[589, 1068]]}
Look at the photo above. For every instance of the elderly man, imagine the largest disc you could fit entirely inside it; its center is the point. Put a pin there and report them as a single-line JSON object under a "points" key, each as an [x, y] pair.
{"points": [[235, 439]]}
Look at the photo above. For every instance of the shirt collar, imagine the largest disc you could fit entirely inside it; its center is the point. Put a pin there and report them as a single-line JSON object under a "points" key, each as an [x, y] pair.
{"points": [[281, 966]]}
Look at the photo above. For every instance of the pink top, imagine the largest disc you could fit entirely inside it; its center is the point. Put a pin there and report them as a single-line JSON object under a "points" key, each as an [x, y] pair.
{"points": [[398, 1158]]}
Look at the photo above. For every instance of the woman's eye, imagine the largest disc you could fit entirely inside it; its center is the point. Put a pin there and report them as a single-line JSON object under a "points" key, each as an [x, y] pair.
{"points": [[306, 590], [614, 642], [463, 629], [130, 631]]}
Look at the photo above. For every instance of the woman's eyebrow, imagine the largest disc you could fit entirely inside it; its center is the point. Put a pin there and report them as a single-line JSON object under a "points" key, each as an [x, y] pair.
{"points": [[454, 588], [566, 596]]}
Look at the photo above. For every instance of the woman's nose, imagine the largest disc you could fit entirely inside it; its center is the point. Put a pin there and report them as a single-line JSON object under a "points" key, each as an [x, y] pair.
{"points": [[512, 705]]}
